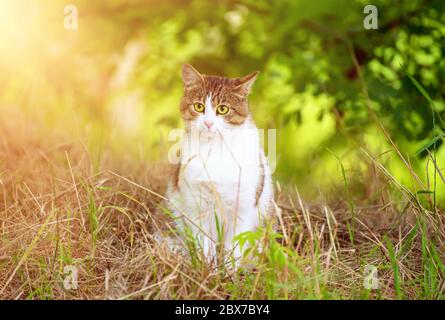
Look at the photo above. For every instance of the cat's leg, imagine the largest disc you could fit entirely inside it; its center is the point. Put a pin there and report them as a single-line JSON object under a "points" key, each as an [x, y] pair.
{"points": [[208, 232], [199, 228], [248, 220], [201, 234]]}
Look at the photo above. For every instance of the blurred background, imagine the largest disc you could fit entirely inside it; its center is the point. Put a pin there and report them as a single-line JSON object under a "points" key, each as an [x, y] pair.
{"points": [[335, 92]]}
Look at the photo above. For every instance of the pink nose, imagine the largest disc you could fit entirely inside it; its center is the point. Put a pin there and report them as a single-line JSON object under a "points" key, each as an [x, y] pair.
{"points": [[208, 124]]}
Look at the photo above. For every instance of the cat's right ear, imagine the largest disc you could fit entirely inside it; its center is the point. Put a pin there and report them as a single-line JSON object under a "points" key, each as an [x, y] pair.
{"points": [[191, 77]]}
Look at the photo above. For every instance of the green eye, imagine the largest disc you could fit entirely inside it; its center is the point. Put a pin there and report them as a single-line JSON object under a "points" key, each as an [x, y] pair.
{"points": [[222, 109], [199, 107]]}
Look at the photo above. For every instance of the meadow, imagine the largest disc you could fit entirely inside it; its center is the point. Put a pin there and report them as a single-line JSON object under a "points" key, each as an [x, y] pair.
{"points": [[85, 117]]}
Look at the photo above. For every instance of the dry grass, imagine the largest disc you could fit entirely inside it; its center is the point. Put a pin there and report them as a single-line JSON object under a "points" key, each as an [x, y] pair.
{"points": [[56, 211]]}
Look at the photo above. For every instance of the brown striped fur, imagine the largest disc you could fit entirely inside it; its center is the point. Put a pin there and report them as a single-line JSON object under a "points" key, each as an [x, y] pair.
{"points": [[231, 92], [260, 187]]}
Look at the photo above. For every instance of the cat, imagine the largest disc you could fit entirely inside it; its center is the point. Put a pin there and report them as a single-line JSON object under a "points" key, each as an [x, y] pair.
{"points": [[222, 185]]}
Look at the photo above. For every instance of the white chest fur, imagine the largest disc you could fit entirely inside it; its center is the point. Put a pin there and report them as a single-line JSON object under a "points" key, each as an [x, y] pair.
{"points": [[221, 169], [220, 177]]}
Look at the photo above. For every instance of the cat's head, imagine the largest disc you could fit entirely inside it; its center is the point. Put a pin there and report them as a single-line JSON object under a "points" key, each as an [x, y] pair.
{"points": [[211, 103]]}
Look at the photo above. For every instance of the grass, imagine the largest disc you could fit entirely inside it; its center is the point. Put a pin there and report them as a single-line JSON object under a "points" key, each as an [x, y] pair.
{"points": [[60, 208]]}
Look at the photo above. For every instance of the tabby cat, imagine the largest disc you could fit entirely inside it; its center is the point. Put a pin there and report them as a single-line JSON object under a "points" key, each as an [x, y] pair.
{"points": [[222, 185]]}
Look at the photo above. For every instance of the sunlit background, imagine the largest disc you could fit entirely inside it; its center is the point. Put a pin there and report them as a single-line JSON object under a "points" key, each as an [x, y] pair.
{"points": [[114, 83]]}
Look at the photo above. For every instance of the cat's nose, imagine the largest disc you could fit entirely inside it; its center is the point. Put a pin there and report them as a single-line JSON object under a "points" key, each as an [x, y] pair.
{"points": [[208, 124]]}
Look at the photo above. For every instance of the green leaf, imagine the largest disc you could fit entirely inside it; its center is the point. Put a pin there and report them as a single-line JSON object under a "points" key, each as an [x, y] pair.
{"points": [[424, 191], [430, 143]]}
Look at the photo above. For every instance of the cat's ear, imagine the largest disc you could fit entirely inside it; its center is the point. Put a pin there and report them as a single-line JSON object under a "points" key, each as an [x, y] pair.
{"points": [[191, 77], [244, 84]]}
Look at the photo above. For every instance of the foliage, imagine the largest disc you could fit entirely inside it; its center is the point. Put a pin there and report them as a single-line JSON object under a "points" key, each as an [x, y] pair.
{"points": [[359, 111], [120, 70]]}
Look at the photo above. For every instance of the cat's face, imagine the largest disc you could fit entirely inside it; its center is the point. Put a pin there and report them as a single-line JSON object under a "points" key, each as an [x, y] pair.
{"points": [[211, 104]]}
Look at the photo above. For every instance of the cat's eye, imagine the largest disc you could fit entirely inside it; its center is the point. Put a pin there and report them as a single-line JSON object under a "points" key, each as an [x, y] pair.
{"points": [[222, 110], [199, 107]]}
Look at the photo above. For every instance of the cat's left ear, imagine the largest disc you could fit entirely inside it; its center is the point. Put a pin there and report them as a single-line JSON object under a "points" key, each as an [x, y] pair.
{"points": [[245, 83], [191, 76]]}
